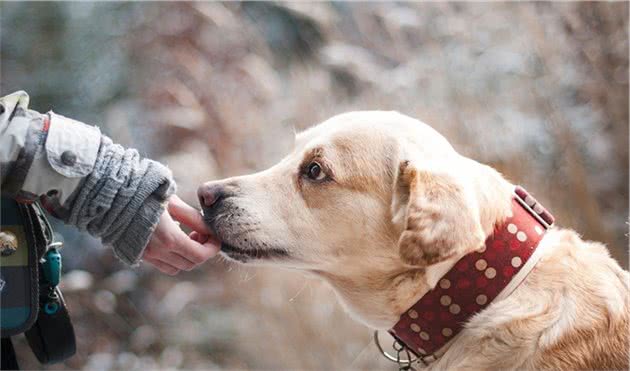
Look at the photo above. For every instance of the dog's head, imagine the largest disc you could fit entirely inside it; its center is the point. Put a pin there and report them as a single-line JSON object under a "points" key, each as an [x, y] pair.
{"points": [[376, 203]]}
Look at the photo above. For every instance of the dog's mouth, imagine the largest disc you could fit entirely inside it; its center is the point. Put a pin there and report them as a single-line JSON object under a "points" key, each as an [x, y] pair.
{"points": [[245, 255], [232, 241]]}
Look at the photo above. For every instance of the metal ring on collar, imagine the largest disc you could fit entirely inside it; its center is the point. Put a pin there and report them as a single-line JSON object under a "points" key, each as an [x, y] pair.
{"points": [[396, 359]]}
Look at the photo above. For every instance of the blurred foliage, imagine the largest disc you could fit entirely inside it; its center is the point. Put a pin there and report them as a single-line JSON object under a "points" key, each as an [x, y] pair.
{"points": [[537, 90]]}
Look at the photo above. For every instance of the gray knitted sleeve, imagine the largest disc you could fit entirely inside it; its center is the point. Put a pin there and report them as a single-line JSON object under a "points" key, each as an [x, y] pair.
{"points": [[121, 200]]}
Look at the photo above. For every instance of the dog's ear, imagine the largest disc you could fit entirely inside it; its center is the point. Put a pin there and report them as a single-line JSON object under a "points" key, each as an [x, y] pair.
{"points": [[438, 219]]}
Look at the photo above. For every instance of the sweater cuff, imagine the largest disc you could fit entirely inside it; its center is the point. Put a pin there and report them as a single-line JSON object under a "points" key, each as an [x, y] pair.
{"points": [[130, 245]]}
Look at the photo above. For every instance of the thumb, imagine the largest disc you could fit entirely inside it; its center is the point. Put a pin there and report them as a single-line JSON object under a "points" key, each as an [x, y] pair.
{"points": [[187, 215]]}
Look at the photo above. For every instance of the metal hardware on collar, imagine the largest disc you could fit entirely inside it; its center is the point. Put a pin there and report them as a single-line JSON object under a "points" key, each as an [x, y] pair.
{"points": [[531, 211], [399, 347], [529, 203]]}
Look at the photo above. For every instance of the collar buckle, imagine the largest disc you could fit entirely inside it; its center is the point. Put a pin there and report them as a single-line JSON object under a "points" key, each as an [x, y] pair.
{"points": [[533, 207]]}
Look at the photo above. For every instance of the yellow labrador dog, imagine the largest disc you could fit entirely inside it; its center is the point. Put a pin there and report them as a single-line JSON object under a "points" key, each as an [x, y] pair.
{"points": [[381, 207]]}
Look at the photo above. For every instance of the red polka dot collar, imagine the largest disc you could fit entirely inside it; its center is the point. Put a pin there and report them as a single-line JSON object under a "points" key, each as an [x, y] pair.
{"points": [[475, 280]]}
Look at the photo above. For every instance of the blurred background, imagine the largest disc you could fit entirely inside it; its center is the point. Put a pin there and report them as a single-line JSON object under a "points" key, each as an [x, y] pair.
{"points": [[537, 90]]}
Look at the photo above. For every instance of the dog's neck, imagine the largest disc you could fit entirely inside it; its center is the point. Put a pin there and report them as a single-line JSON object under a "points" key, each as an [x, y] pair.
{"points": [[379, 298]]}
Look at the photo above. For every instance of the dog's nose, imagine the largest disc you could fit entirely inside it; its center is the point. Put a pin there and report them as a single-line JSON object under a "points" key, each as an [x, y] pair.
{"points": [[210, 193]]}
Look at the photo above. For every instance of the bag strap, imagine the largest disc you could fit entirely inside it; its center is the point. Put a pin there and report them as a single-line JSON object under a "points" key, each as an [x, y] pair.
{"points": [[51, 337], [42, 228], [9, 360]]}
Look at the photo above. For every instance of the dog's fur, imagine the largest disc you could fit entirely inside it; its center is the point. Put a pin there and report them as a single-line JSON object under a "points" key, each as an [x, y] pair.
{"points": [[396, 209]]}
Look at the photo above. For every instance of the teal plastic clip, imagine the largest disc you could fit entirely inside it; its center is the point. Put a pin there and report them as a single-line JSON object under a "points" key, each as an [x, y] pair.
{"points": [[52, 266]]}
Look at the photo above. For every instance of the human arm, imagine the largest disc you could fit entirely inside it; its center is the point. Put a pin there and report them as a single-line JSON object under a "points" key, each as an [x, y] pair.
{"points": [[86, 180]]}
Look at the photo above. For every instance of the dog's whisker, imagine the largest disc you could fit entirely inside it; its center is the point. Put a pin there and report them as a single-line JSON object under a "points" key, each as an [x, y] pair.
{"points": [[299, 291], [249, 278]]}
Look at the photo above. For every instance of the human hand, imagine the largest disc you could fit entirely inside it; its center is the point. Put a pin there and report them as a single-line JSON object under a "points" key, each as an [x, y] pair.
{"points": [[170, 250]]}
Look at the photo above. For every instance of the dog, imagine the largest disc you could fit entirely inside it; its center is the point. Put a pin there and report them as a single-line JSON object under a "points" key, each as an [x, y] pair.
{"points": [[381, 207]]}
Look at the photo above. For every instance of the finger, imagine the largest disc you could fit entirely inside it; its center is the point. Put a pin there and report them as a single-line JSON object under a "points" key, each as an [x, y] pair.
{"points": [[196, 236], [195, 251], [164, 253], [187, 215], [213, 245], [162, 266], [212, 242], [178, 261]]}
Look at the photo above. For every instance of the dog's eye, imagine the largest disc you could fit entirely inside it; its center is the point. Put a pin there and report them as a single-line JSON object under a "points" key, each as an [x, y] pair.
{"points": [[314, 171]]}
